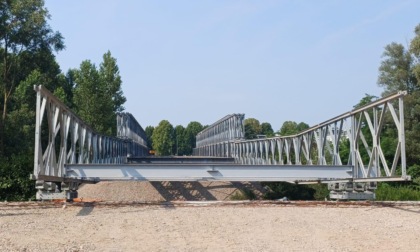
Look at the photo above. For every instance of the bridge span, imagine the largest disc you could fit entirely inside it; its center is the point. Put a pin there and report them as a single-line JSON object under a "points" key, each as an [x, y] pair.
{"points": [[69, 153]]}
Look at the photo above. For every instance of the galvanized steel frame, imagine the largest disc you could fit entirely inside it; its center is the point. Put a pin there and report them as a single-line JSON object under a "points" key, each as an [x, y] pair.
{"points": [[217, 139], [320, 145], [72, 141]]}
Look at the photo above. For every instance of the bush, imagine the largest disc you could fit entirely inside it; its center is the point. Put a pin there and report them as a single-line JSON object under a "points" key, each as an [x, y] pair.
{"points": [[321, 191], [291, 191], [398, 192]]}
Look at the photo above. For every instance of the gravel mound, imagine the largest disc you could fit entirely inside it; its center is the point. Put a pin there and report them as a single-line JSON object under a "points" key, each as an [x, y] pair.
{"points": [[168, 191]]}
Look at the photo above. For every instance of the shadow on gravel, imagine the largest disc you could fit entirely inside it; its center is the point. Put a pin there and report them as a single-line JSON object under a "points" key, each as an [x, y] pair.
{"points": [[405, 209], [195, 191], [86, 209], [190, 191]]}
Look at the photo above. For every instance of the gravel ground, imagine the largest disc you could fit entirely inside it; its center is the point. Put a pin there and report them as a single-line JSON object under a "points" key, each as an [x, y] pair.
{"points": [[208, 227], [167, 191]]}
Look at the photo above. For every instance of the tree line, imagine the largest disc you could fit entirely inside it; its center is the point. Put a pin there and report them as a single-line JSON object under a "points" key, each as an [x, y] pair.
{"points": [[27, 48]]}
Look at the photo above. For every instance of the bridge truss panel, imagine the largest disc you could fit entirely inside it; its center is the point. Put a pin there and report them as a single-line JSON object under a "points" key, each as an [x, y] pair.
{"points": [[216, 140], [63, 138], [353, 138], [129, 129]]}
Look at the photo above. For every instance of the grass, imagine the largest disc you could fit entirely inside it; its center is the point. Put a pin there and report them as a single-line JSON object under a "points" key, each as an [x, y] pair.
{"points": [[386, 192]]}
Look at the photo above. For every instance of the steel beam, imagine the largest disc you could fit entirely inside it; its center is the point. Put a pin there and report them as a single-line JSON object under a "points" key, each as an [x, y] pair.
{"points": [[203, 172]]}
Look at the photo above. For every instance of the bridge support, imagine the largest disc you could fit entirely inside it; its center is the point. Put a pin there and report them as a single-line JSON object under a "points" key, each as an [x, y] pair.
{"points": [[352, 190]]}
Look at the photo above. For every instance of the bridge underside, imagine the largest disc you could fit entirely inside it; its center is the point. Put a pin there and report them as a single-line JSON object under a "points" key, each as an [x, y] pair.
{"points": [[207, 172]]}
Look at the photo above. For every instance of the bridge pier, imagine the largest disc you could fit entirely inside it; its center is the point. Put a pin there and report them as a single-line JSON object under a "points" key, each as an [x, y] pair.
{"points": [[56, 190], [352, 190]]}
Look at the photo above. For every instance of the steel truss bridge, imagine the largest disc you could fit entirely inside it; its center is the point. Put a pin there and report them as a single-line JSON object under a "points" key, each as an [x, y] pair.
{"points": [[69, 153]]}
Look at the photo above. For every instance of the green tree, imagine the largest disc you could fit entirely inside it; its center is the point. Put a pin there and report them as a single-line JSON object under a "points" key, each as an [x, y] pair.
{"points": [[163, 138], [252, 128], [266, 129], [149, 133], [110, 75], [191, 131], [302, 126], [180, 145], [93, 104], [396, 70], [400, 70], [288, 128], [24, 34], [97, 94], [27, 44], [415, 50]]}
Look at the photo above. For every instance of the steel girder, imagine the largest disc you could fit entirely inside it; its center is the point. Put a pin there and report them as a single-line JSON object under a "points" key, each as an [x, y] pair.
{"points": [[207, 172], [71, 141], [359, 131]]}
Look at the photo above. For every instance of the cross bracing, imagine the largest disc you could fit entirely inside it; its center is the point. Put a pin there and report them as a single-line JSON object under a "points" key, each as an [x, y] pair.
{"points": [[72, 141]]}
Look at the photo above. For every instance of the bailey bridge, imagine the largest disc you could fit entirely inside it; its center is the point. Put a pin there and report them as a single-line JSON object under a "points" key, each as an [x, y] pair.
{"points": [[69, 153]]}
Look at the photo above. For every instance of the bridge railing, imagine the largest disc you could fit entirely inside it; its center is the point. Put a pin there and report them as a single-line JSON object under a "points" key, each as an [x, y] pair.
{"points": [[61, 137], [354, 137]]}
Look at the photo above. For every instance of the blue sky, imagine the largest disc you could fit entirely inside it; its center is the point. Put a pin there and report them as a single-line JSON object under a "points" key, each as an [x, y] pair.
{"points": [[276, 61]]}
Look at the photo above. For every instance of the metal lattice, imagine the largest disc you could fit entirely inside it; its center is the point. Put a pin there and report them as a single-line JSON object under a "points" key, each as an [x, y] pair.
{"points": [[359, 131], [71, 141], [217, 139]]}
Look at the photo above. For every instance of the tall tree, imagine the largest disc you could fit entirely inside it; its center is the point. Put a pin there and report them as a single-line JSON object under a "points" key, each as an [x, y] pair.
{"points": [[24, 33], [98, 95], [93, 104], [180, 144], [163, 138], [415, 50], [396, 70], [27, 44], [252, 128], [149, 133], [110, 75], [191, 131], [401, 68], [266, 129]]}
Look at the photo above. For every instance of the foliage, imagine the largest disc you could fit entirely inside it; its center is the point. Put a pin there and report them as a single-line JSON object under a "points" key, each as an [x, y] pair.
{"points": [[26, 49], [163, 138], [97, 94], [400, 71], [192, 129], [25, 39], [266, 129], [291, 191], [252, 128], [388, 192], [396, 70], [180, 146], [291, 128], [321, 191], [149, 132], [110, 76]]}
